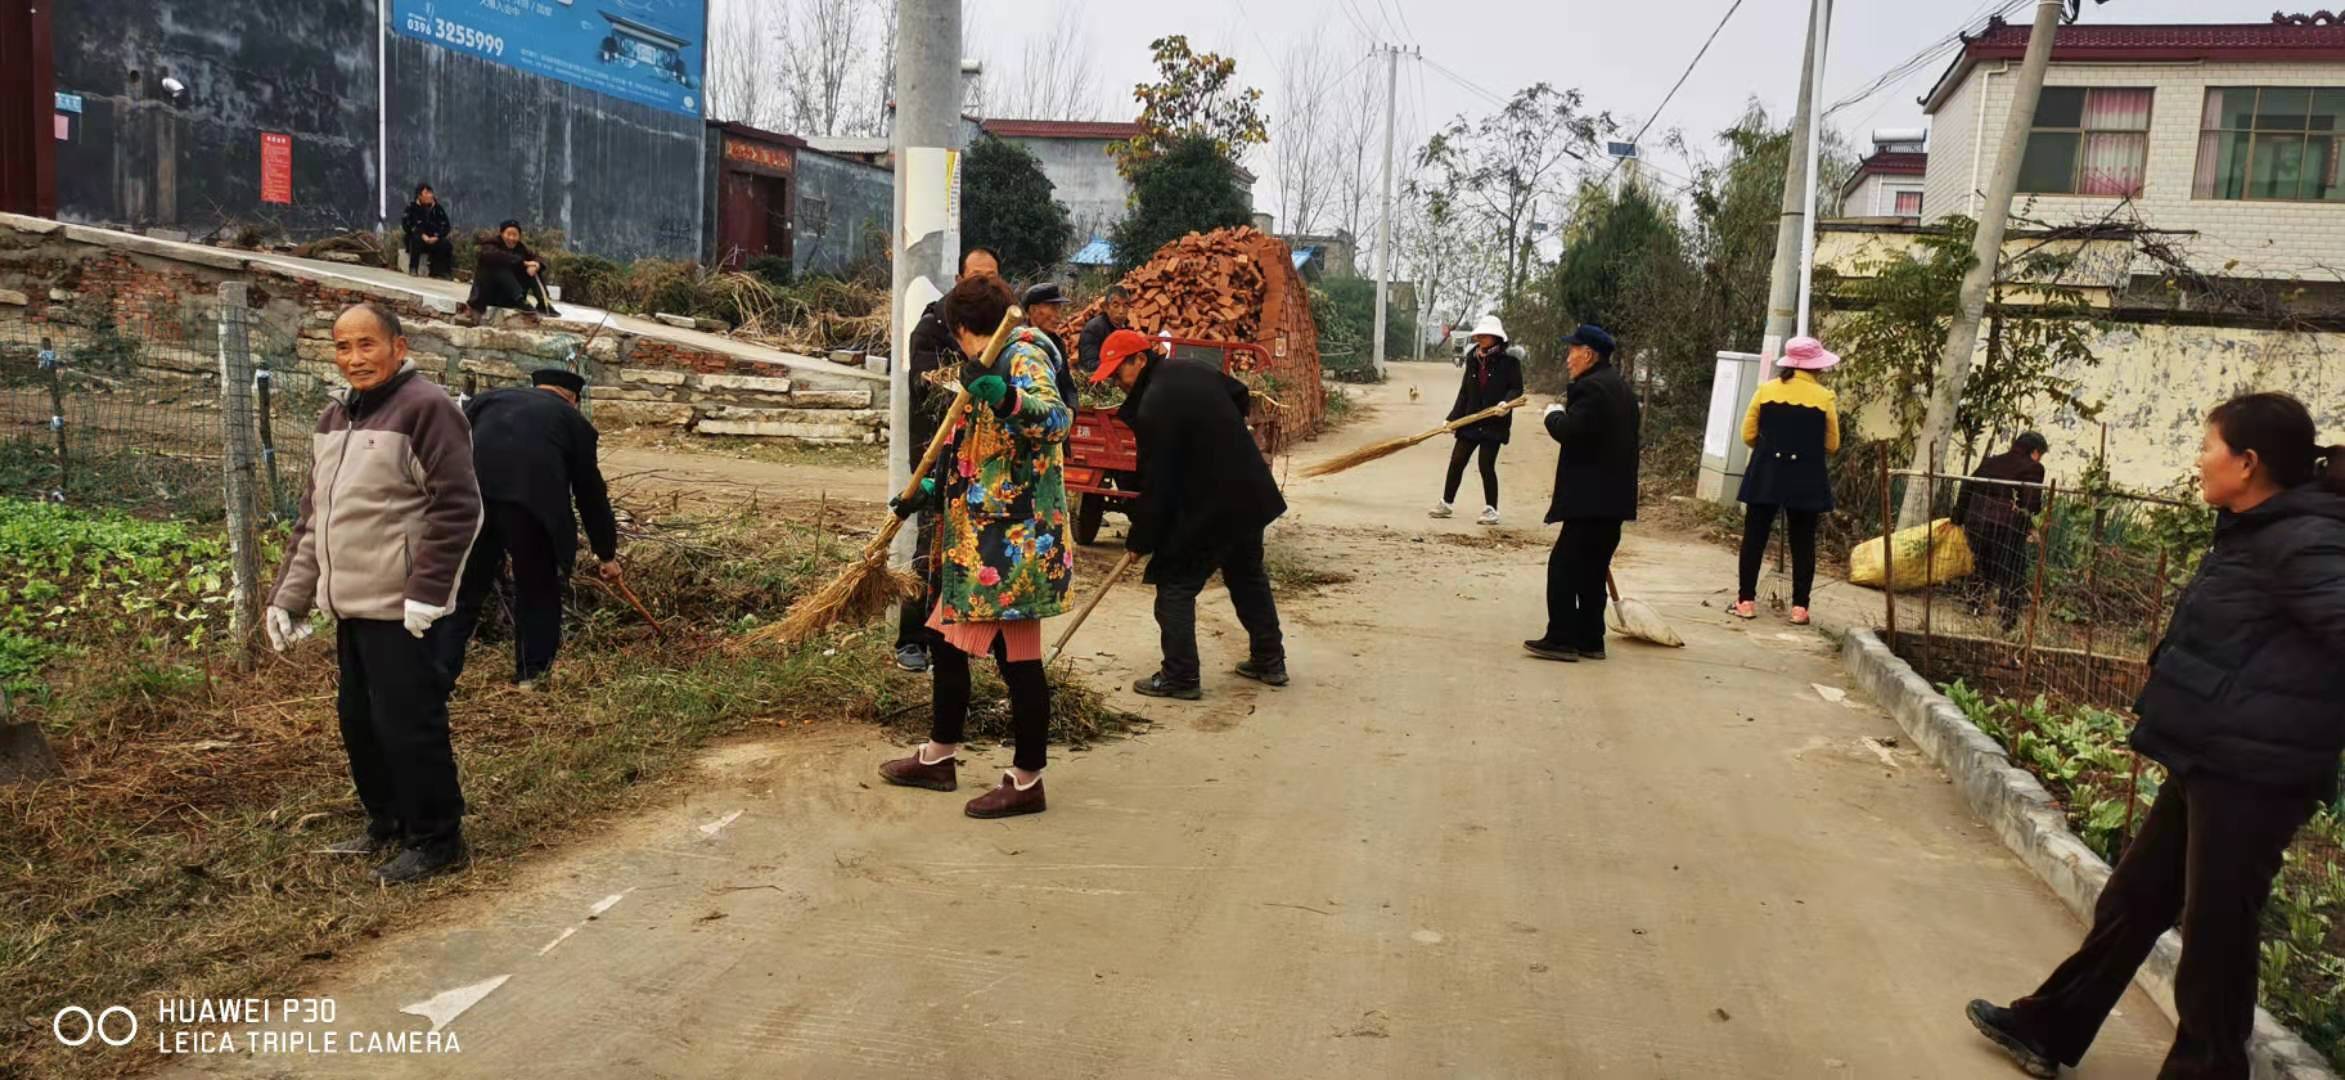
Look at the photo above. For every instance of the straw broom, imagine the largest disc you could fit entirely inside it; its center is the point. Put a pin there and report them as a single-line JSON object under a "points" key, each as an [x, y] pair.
{"points": [[1123, 566], [866, 587], [1637, 619], [1389, 447]]}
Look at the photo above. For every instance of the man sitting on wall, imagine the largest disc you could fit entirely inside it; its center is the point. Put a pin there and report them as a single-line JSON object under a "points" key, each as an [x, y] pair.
{"points": [[508, 275], [425, 227]]}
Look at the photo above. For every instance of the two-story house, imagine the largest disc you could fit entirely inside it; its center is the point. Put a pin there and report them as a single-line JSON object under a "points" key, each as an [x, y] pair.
{"points": [[1892, 181], [2232, 132]]}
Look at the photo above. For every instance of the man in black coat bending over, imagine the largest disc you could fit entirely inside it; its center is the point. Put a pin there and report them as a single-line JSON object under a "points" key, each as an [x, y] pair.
{"points": [[1595, 492], [535, 455], [1205, 497]]}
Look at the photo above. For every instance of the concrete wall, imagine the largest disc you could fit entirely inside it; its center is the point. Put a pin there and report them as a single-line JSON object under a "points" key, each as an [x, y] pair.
{"points": [[137, 159], [845, 211], [1083, 179], [2155, 384], [621, 180], [2267, 239]]}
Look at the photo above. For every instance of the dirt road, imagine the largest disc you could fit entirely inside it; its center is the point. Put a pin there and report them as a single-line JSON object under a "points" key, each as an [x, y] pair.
{"points": [[1431, 856]]}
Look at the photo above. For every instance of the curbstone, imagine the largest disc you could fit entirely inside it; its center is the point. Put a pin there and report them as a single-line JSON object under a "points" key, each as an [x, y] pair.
{"points": [[2020, 810]]}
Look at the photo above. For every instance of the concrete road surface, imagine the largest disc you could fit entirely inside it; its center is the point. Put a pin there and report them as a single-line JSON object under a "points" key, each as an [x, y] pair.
{"points": [[1431, 856]]}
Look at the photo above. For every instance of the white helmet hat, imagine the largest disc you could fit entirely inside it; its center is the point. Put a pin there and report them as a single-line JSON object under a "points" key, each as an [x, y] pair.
{"points": [[1489, 324]]}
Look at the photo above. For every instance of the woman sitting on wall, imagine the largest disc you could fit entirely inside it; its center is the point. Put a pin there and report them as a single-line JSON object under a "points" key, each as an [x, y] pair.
{"points": [[508, 275]]}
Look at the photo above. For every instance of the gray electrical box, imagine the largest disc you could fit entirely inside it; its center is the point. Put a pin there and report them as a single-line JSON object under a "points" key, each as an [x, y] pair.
{"points": [[1723, 454]]}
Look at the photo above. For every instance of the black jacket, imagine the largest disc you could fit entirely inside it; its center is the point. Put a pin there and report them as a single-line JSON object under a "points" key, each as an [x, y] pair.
{"points": [[1203, 482], [1596, 474], [1087, 346], [420, 220], [933, 346], [1492, 379], [536, 451], [2246, 683], [2000, 506], [494, 255]]}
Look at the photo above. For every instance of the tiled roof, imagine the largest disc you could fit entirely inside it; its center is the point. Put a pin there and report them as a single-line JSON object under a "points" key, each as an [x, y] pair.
{"points": [[2279, 41], [1888, 163], [1060, 129]]}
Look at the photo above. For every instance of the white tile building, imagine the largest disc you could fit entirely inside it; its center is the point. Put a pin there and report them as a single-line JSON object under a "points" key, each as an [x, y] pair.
{"points": [[2235, 133], [1892, 183]]}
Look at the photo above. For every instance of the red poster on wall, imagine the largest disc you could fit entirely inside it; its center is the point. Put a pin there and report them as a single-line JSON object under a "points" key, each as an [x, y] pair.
{"points": [[276, 167]]}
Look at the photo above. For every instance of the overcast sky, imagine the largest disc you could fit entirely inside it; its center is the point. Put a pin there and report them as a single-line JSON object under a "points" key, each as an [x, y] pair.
{"points": [[1622, 55]]}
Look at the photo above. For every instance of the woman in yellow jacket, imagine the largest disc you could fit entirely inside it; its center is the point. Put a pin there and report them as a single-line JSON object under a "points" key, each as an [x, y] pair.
{"points": [[1792, 428]]}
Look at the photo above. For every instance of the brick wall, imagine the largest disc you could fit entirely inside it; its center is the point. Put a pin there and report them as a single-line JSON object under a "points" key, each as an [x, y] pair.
{"points": [[2267, 239]]}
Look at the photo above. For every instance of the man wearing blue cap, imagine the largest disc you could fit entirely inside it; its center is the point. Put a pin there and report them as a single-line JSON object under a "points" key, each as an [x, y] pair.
{"points": [[1595, 493]]}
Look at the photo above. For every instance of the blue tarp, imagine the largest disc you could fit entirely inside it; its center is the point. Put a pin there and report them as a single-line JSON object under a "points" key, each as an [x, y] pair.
{"points": [[1096, 253], [1304, 255]]}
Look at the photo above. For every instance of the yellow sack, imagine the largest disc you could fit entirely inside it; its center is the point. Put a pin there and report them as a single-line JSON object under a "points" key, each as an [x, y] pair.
{"points": [[1932, 554]]}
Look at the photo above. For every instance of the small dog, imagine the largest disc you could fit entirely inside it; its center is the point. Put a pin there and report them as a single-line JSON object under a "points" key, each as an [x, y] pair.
{"points": [[1413, 393]]}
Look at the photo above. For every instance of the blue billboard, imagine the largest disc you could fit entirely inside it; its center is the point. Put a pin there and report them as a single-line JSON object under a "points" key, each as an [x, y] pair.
{"points": [[645, 51]]}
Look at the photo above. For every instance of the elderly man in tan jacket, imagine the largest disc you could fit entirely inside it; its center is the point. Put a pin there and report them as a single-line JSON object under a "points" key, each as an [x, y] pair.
{"points": [[388, 520]]}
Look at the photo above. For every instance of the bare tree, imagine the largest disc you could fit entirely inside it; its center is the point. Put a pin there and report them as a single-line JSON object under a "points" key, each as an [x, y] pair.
{"points": [[1352, 128], [740, 87], [1303, 157], [820, 60], [1454, 260], [1056, 76], [1505, 166]]}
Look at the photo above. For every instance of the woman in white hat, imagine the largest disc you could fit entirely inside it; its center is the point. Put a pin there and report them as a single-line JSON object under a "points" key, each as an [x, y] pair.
{"points": [[1494, 376], [1792, 428]]}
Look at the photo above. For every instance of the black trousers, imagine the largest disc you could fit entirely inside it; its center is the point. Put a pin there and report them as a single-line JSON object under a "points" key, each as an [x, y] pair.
{"points": [[508, 529], [2001, 552], [2207, 854], [393, 703], [1575, 582], [439, 256], [1758, 522], [493, 287], [1029, 701], [1457, 470], [1177, 586], [912, 615]]}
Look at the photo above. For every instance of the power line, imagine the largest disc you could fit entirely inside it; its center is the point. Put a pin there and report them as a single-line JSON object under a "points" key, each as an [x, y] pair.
{"points": [[1402, 7], [1466, 83], [1929, 55], [1688, 73]]}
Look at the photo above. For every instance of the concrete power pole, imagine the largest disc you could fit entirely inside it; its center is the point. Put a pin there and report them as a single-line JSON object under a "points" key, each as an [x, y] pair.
{"points": [[1384, 219], [927, 239], [1962, 337], [1785, 293]]}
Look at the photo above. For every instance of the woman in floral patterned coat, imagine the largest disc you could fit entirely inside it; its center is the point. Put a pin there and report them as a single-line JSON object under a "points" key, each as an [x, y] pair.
{"points": [[1004, 554]]}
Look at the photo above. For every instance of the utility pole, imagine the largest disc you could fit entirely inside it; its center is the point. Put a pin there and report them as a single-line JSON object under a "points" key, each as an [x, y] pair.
{"points": [[927, 238], [1786, 294], [1962, 337], [1819, 47], [1384, 219]]}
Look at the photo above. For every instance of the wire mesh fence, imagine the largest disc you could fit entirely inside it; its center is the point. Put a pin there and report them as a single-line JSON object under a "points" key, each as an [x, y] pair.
{"points": [[118, 407], [2038, 608]]}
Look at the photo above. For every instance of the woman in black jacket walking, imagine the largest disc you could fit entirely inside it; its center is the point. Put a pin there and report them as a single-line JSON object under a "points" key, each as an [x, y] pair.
{"points": [[1792, 427], [2243, 709], [1494, 376]]}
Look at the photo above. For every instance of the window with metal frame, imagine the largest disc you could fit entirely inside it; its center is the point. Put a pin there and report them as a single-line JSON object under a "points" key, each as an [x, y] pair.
{"points": [[2088, 141], [2272, 142], [1909, 204]]}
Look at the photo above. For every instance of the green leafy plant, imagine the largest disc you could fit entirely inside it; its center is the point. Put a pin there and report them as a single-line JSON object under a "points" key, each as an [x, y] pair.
{"points": [[1190, 187], [1009, 207], [1196, 97]]}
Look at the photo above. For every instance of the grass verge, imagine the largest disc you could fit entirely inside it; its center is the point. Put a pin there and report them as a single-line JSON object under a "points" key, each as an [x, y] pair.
{"points": [[175, 858]]}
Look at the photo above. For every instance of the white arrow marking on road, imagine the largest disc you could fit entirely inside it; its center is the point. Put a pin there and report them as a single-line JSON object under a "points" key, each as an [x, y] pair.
{"points": [[443, 1008]]}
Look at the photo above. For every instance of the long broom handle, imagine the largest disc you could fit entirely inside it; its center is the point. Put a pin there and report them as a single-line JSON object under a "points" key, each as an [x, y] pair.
{"points": [[1123, 566], [1611, 586], [944, 431]]}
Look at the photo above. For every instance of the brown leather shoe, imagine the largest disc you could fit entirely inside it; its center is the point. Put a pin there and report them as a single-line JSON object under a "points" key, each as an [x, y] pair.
{"points": [[910, 772], [1007, 800]]}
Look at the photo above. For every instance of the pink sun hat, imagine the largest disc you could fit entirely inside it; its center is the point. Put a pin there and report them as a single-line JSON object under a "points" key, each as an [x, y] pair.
{"points": [[1806, 354]]}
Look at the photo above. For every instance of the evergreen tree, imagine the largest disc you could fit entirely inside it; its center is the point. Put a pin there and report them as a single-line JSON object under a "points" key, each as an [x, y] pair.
{"points": [[1007, 205]]}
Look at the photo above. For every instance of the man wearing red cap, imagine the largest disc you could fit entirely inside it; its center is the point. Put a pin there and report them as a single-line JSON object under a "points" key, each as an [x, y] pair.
{"points": [[1206, 495]]}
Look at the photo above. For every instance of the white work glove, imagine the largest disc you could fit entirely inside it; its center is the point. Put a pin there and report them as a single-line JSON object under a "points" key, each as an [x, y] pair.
{"points": [[421, 616], [1552, 409], [283, 632]]}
